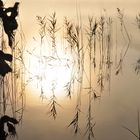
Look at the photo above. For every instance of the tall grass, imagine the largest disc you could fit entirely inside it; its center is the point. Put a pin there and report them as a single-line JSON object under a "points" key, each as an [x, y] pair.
{"points": [[91, 33], [42, 34], [109, 51], [137, 136], [73, 37], [90, 52], [137, 66], [12, 84], [124, 32], [102, 51]]}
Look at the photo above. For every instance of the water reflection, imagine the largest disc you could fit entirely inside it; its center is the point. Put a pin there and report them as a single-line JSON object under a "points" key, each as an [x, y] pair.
{"points": [[90, 64], [84, 63]]}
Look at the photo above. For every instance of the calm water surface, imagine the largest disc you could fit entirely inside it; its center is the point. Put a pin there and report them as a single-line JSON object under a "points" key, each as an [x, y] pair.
{"points": [[115, 109]]}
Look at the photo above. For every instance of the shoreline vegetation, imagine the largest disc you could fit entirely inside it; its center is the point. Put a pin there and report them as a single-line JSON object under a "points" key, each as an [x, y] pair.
{"points": [[92, 53]]}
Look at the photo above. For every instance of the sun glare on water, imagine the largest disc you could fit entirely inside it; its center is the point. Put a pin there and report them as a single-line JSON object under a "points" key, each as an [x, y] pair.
{"points": [[48, 73]]}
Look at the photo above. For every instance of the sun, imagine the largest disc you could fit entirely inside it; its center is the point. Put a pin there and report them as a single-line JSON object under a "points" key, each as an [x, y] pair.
{"points": [[48, 73]]}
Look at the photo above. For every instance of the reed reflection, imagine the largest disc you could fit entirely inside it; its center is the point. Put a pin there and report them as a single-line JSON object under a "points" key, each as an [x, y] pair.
{"points": [[82, 63]]}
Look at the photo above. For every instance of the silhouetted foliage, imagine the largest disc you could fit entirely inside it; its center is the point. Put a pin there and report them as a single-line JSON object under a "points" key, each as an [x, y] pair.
{"points": [[137, 67], [8, 16], [138, 20], [11, 130], [4, 67]]}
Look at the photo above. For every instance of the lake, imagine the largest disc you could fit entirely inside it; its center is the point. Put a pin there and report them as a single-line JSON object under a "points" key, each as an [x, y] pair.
{"points": [[67, 87]]}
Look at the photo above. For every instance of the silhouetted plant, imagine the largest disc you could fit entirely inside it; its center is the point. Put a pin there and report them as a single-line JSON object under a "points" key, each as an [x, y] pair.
{"points": [[75, 121], [101, 33], [138, 20], [102, 53], [123, 27], [42, 24], [73, 37], [68, 88], [9, 21], [11, 130], [42, 32], [52, 30], [53, 102], [109, 48], [69, 36], [11, 91], [137, 67], [95, 32], [138, 126], [91, 32], [90, 125], [69, 33], [5, 68]]}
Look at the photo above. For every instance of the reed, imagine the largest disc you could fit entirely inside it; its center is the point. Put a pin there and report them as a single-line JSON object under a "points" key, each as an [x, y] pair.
{"points": [[42, 33], [102, 52], [53, 103], [11, 85], [138, 128], [137, 66], [91, 35], [99, 42], [73, 38], [109, 51], [123, 31], [52, 30]]}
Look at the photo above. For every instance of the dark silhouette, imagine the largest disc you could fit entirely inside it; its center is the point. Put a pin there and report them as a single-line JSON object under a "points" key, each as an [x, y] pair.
{"points": [[11, 122], [4, 67], [1, 8], [10, 24]]}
